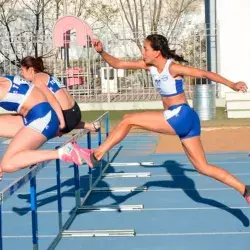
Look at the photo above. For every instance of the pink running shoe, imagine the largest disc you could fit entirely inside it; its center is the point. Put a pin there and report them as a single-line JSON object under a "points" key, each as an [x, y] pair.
{"points": [[85, 154], [68, 153], [248, 199], [247, 194]]}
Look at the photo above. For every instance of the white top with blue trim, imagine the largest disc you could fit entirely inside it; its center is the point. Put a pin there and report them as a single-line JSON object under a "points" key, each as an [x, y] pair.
{"points": [[17, 94], [54, 84], [165, 83]]}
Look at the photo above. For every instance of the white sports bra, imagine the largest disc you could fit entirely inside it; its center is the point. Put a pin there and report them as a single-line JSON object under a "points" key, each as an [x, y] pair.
{"points": [[165, 83]]}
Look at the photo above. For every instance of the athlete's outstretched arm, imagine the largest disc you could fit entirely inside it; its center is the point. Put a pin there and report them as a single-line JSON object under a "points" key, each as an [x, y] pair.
{"points": [[115, 62], [177, 69]]}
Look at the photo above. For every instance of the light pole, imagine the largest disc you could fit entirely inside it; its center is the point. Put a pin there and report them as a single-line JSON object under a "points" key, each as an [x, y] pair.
{"points": [[66, 36]]}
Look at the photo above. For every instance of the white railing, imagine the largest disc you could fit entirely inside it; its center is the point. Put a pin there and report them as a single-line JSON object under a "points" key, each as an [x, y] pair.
{"points": [[90, 79]]}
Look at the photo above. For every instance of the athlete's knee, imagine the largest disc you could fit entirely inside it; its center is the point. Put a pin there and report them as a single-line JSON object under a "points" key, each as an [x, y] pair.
{"points": [[125, 116], [6, 164], [6, 167], [127, 119], [204, 169]]}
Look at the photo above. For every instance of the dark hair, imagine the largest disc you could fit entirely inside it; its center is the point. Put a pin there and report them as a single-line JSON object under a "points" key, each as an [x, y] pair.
{"points": [[36, 63], [160, 43]]}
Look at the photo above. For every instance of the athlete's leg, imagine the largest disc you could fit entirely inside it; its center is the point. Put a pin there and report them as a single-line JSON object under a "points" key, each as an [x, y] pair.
{"points": [[153, 121], [194, 150], [10, 125]]}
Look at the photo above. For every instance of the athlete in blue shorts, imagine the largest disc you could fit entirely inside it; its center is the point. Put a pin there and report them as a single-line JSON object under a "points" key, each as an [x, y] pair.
{"points": [[34, 124], [178, 118], [57, 94]]}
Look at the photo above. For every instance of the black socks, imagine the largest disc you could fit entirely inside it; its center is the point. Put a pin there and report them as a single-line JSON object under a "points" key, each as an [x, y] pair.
{"points": [[94, 160], [247, 191]]}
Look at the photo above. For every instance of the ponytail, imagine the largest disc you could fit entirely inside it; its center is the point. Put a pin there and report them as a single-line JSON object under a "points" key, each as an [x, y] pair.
{"points": [[36, 63], [160, 43]]}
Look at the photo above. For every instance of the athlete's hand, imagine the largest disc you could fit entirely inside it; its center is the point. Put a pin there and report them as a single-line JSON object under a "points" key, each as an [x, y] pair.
{"points": [[97, 45], [240, 86], [59, 133], [62, 125]]}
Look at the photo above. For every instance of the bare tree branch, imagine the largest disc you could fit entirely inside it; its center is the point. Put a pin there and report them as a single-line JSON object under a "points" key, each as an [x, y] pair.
{"points": [[9, 33], [126, 16], [142, 18]]}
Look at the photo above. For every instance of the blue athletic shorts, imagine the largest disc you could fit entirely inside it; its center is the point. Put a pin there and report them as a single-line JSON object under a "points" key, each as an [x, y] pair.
{"points": [[184, 120], [43, 119]]}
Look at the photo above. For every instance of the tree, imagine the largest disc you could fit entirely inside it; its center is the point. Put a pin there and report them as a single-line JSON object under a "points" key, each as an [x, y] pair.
{"points": [[155, 16], [25, 27], [7, 17]]}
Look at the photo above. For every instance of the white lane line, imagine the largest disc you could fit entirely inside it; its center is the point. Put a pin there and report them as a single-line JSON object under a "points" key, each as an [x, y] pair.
{"points": [[194, 234], [143, 209]]}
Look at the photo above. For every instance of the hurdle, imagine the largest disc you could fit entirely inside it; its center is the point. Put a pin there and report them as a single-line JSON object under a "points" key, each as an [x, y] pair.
{"points": [[79, 207], [30, 177]]}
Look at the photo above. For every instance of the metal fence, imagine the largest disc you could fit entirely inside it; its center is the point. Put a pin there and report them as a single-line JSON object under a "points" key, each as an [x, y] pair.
{"points": [[90, 79]]}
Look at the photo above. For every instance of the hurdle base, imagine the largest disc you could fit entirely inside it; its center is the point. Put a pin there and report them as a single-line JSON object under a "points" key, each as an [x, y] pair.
{"points": [[98, 233]]}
